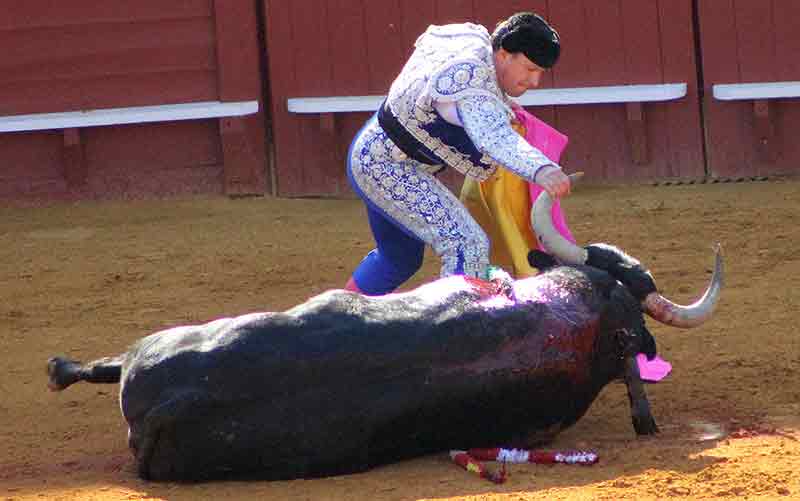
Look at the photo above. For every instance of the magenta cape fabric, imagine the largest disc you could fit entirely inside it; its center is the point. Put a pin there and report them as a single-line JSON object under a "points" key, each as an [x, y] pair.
{"points": [[552, 143]]}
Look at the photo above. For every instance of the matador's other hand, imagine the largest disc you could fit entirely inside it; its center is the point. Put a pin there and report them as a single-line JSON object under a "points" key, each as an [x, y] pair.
{"points": [[553, 181]]}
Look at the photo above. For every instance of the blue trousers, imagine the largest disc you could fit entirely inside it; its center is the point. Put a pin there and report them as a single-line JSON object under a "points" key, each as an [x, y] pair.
{"points": [[395, 259], [408, 208]]}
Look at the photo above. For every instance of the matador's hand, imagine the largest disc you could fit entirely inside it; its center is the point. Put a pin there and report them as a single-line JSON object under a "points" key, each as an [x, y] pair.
{"points": [[553, 181]]}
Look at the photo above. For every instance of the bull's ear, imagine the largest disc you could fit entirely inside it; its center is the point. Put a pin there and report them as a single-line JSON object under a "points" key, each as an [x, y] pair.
{"points": [[541, 260]]}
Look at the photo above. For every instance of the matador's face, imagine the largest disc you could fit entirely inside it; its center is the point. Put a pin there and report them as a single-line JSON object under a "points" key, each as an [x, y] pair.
{"points": [[516, 73]]}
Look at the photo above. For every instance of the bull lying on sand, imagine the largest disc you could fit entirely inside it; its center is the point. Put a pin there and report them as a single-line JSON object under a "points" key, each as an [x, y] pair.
{"points": [[344, 382]]}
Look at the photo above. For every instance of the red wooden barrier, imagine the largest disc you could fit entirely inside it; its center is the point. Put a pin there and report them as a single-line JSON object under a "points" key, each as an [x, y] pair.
{"points": [[323, 48], [610, 42], [750, 41], [72, 56]]}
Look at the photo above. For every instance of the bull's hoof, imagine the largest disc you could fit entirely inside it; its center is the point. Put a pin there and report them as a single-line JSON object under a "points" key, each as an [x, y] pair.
{"points": [[62, 373], [645, 425]]}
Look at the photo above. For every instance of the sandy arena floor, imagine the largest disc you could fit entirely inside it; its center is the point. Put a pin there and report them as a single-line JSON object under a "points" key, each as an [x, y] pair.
{"points": [[85, 280]]}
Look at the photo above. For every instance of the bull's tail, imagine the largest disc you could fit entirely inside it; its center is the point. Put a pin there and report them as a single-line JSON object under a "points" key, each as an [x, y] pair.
{"points": [[63, 372]]}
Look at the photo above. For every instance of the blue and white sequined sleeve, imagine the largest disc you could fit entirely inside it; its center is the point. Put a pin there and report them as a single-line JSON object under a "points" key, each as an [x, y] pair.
{"points": [[487, 124]]}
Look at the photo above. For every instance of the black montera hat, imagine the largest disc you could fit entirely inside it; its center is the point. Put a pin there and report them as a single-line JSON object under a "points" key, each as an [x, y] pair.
{"points": [[528, 33]]}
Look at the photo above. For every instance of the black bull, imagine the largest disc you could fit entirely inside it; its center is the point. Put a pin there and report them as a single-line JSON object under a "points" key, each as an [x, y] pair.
{"points": [[344, 382]]}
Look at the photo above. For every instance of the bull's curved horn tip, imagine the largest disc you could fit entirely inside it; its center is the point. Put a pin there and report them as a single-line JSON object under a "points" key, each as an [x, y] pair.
{"points": [[669, 313]]}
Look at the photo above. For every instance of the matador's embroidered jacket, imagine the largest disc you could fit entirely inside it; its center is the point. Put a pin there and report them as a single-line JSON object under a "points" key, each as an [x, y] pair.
{"points": [[453, 65]]}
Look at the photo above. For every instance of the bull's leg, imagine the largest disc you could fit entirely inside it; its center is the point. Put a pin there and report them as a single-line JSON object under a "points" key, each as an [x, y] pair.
{"points": [[642, 418], [159, 419], [63, 372]]}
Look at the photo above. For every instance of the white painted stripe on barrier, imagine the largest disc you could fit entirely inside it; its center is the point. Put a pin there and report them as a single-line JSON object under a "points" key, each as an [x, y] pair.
{"points": [[539, 97], [334, 104], [764, 90], [604, 95], [129, 115]]}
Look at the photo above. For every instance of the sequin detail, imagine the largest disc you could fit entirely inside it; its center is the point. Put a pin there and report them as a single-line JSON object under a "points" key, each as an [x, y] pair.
{"points": [[406, 191], [488, 126], [455, 63], [449, 63]]}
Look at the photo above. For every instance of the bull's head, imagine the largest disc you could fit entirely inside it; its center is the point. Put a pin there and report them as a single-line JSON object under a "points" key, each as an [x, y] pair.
{"points": [[628, 271], [641, 285]]}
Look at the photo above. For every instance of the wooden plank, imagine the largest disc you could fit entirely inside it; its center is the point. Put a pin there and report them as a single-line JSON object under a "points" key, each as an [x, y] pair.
{"points": [[149, 148], [237, 50], [349, 49], [125, 63], [746, 50], [606, 61], [719, 42], [661, 141], [32, 48], [134, 160], [27, 14], [660, 127], [606, 66], [764, 131], [490, 13], [111, 92], [384, 41], [643, 65], [415, 17], [784, 154], [756, 42], [454, 11], [239, 79], [756, 57], [786, 19], [239, 158], [309, 24], [723, 122], [314, 77], [570, 19], [786, 151], [98, 55], [679, 125], [640, 42], [75, 171], [285, 128], [637, 133], [80, 67], [32, 163], [787, 117]]}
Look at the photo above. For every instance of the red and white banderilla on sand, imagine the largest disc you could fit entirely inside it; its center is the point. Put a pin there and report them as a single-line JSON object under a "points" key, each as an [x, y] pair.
{"points": [[470, 460]]}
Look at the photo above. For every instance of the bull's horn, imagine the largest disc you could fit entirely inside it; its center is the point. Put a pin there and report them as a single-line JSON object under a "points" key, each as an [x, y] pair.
{"points": [[667, 312], [549, 238], [655, 305]]}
